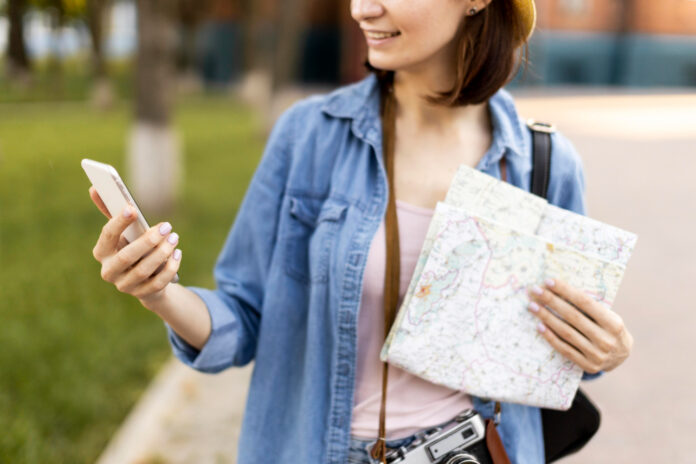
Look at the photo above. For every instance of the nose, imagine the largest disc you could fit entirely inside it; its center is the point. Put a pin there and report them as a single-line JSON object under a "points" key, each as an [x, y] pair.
{"points": [[361, 10]]}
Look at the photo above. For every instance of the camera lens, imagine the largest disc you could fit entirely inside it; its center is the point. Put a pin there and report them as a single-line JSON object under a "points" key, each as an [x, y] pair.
{"points": [[461, 458]]}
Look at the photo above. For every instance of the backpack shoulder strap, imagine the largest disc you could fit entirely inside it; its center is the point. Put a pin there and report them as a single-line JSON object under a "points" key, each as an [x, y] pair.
{"points": [[565, 432], [541, 156]]}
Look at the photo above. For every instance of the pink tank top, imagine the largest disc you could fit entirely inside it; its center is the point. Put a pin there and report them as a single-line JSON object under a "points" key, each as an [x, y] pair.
{"points": [[412, 403]]}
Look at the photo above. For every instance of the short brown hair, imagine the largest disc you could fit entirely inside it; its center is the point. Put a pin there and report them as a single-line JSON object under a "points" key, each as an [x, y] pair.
{"points": [[487, 56]]}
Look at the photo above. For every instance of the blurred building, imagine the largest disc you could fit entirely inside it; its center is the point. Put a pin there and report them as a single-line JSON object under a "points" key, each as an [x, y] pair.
{"points": [[577, 42], [619, 42]]}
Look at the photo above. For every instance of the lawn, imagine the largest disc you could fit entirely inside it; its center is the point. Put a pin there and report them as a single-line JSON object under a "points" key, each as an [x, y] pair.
{"points": [[76, 354]]}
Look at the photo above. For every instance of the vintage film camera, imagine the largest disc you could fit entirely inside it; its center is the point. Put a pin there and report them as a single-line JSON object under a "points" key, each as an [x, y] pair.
{"points": [[463, 443]]}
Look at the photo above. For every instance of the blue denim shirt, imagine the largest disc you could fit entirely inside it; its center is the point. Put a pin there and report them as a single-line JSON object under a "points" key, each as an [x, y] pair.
{"points": [[289, 278]]}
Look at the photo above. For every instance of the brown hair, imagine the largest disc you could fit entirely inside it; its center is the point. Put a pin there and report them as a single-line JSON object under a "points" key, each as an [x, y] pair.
{"points": [[487, 56]]}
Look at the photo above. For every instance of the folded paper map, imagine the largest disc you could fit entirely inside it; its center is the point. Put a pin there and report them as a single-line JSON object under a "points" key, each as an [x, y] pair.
{"points": [[464, 321]]}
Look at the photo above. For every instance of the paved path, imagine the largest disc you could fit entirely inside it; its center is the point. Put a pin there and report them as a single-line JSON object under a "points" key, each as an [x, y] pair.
{"points": [[640, 160]]}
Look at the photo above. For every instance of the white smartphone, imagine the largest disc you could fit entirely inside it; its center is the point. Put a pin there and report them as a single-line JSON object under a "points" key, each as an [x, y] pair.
{"points": [[115, 195]]}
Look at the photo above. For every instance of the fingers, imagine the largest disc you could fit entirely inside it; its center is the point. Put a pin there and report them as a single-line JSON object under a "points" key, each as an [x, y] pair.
{"points": [[118, 263], [605, 318], [568, 351], [567, 324], [161, 279], [98, 201], [110, 236], [152, 259]]}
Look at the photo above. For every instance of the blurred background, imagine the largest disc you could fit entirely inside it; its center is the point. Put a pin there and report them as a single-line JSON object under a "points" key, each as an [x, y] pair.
{"points": [[179, 96]]}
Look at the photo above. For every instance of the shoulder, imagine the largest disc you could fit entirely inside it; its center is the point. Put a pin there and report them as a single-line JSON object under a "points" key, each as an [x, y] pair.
{"points": [[516, 133], [566, 181], [346, 102]]}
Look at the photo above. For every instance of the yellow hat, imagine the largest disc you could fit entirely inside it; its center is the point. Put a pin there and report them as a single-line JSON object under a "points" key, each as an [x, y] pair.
{"points": [[527, 11]]}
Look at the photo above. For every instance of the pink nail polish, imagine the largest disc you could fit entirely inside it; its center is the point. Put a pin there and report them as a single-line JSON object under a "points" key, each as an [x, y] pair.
{"points": [[127, 212], [536, 289], [533, 307], [177, 254], [165, 228], [550, 282], [541, 327], [173, 238]]}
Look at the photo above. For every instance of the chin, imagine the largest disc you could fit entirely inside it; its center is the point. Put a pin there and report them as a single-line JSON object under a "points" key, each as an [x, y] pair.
{"points": [[387, 63], [383, 64]]}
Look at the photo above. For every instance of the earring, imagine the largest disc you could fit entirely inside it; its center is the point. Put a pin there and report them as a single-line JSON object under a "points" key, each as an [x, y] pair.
{"points": [[472, 11]]}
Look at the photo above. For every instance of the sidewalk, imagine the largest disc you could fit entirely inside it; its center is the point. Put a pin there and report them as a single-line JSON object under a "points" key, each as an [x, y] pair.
{"points": [[184, 417]]}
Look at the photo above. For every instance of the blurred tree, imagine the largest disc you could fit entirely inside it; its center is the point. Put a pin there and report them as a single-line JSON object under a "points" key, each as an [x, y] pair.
{"points": [[153, 158], [289, 24], [96, 13], [59, 12], [17, 58], [190, 14]]}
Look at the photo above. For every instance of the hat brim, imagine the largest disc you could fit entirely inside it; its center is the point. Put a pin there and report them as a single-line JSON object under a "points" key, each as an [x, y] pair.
{"points": [[527, 11]]}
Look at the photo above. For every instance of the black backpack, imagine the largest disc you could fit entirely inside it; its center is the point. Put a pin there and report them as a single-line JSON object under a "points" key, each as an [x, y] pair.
{"points": [[565, 432]]}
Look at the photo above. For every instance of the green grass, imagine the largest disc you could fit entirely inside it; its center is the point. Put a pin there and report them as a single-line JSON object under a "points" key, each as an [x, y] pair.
{"points": [[69, 80], [75, 354]]}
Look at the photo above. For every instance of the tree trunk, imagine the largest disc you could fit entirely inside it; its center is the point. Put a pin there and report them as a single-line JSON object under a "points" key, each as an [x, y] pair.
{"points": [[287, 43], [17, 58], [95, 22], [102, 91], [154, 146]]}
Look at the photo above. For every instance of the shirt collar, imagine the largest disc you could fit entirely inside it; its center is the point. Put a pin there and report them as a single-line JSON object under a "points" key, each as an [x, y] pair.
{"points": [[360, 102]]}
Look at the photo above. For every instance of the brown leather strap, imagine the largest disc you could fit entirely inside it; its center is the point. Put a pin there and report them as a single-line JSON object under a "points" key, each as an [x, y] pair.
{"points": [[392, 279], [495, 444], [503, 170], [392, 268]]}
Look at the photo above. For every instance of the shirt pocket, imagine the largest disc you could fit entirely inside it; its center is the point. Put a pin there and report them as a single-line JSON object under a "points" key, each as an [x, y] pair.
{"points": [[310, 237]]}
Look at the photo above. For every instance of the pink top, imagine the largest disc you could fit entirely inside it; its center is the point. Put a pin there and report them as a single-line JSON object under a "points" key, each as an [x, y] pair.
{"points": [[412, 403]]}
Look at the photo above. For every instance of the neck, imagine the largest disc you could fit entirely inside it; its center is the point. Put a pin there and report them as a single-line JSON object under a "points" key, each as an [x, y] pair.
{"points": [[410, 90]]}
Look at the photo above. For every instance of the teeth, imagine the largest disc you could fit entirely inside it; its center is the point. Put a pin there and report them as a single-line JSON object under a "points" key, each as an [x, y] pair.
{"points": [[380, 35]]}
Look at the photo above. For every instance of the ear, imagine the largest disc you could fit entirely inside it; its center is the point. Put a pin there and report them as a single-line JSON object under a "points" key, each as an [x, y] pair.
{"points": [[476, 6]]}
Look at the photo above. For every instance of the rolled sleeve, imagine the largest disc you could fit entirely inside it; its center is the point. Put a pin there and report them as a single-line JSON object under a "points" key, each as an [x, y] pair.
{"points": [[567, 187], [243, 266], [225, 345]]}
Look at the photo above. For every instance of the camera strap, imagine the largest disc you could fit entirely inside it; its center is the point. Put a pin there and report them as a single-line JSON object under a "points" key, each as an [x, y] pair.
{"points": [[391, 286]]}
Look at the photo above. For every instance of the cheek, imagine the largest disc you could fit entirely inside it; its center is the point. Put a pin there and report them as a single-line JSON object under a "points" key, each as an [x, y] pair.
{"points": [[429, 24]]}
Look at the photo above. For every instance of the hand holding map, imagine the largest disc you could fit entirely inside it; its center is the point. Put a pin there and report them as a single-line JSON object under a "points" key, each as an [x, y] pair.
{"points": [[464, 323], [587, 333]]}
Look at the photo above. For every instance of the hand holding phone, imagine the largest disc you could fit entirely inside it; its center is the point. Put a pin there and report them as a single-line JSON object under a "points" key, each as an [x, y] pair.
{"points": [[138, 259]]}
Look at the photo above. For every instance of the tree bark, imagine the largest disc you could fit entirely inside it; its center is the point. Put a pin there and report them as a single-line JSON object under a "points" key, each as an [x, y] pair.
{"points": [[154, 147], [155, 60], [287, 42], [17, 57], [95, 22]]}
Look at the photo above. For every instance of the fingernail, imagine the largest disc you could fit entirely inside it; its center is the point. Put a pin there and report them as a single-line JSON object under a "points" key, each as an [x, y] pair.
{"points": [[536, 289], [177, 254], [550, 282], [127, 212], [541, 327], [165, 228], [173, 238], [533, 307]]}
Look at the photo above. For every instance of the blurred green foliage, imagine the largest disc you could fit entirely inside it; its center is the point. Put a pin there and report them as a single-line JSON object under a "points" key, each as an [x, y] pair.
{"points": [[76, 354], [69, 80]]}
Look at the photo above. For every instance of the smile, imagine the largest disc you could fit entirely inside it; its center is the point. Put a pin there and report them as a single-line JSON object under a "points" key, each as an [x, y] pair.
{"points": [[380, 35]]}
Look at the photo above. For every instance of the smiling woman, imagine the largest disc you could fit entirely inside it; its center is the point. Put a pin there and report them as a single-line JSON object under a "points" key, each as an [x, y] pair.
{"points": [[307, 267]]}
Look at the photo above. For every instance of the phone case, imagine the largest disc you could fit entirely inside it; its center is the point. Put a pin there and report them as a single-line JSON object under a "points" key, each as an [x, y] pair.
{"points": [[114, 194]]}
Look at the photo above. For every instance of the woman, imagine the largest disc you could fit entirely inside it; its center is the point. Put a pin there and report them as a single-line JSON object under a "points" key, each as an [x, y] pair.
{"points": [[300, 276]]}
